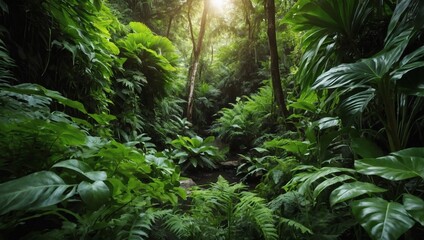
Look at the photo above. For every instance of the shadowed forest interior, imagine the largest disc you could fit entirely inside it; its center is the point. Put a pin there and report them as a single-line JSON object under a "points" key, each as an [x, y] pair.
{"points": [[211, 119]]}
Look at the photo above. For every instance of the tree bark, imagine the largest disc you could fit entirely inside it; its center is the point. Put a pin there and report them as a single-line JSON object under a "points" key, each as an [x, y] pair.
{"points": [[279, 94], [197, 48]]}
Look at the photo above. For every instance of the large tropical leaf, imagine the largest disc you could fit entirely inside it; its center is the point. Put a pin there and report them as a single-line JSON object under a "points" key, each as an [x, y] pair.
{"points": [[94, 194], [405, 17], [367, 71], [365, 148], [415, 207], [351, 190], [37, 190], [382, 219], [404, 164], [327, 24], [356, 104], [82, 168]]}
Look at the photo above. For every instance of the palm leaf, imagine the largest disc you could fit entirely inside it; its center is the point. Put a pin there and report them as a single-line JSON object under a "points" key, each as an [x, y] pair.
{"points": [[37, 190], [382, 219], [356, 104]]}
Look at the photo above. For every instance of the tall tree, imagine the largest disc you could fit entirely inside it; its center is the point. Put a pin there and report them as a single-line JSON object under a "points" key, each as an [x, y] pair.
{"points": [[197, 48], [279, 94]]}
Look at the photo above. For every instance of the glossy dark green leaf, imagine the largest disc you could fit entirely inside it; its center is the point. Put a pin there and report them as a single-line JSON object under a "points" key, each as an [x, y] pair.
{"points": [[414, 206], [382, 219], [365, 148], [37, 190], [94, 194], [4, 7], [82, 168], [404, 164], [330, 182], [356, 104], [352, 190]]}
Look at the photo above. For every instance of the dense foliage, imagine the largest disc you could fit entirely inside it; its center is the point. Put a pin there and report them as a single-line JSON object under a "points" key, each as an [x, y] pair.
{"points": [[94, 142]]}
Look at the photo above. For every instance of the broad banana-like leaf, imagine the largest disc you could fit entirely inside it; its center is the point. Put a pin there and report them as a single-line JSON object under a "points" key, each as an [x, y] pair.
{"points": [[93, 194], [404, 164], [351, 190], [382, 219], [37, 190], [415, 207], [82, 168]]}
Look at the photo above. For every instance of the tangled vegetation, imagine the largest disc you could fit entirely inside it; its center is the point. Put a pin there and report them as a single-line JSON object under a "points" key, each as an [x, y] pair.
{"points": [[108, 106]]}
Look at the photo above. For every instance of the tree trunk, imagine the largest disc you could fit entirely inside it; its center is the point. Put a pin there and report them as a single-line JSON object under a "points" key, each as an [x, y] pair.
{"points": [[279, 95], [195, 61]]}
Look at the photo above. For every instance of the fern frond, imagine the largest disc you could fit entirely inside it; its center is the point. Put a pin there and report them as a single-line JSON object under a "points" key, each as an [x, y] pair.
{"points": [[180, 224], [139, 225], [254, 208], [295, 225]]}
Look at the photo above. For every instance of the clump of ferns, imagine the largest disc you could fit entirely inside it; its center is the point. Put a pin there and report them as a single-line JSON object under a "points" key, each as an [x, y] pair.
{"points": [[223, 211]]}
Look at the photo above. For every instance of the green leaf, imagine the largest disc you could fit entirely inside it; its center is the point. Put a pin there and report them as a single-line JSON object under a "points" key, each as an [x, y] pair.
{"points": [[4, 7], [356, 104], [28, 88], [82, 168], [37, 190], [296, 225], [414, 206], [382, 219], [103, 118], [97, 4], [94, 194], [348, 191], [365, 148], [327, 122], [329, 182], [404, 164], [306, 180]]}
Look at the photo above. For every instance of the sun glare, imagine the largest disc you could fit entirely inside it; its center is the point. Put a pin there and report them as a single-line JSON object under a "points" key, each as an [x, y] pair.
{"points": [[219, 4]]}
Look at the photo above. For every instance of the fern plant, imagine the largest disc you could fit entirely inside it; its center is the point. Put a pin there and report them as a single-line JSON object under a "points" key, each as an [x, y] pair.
{"points": [[246, 120], [224, 211]]}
